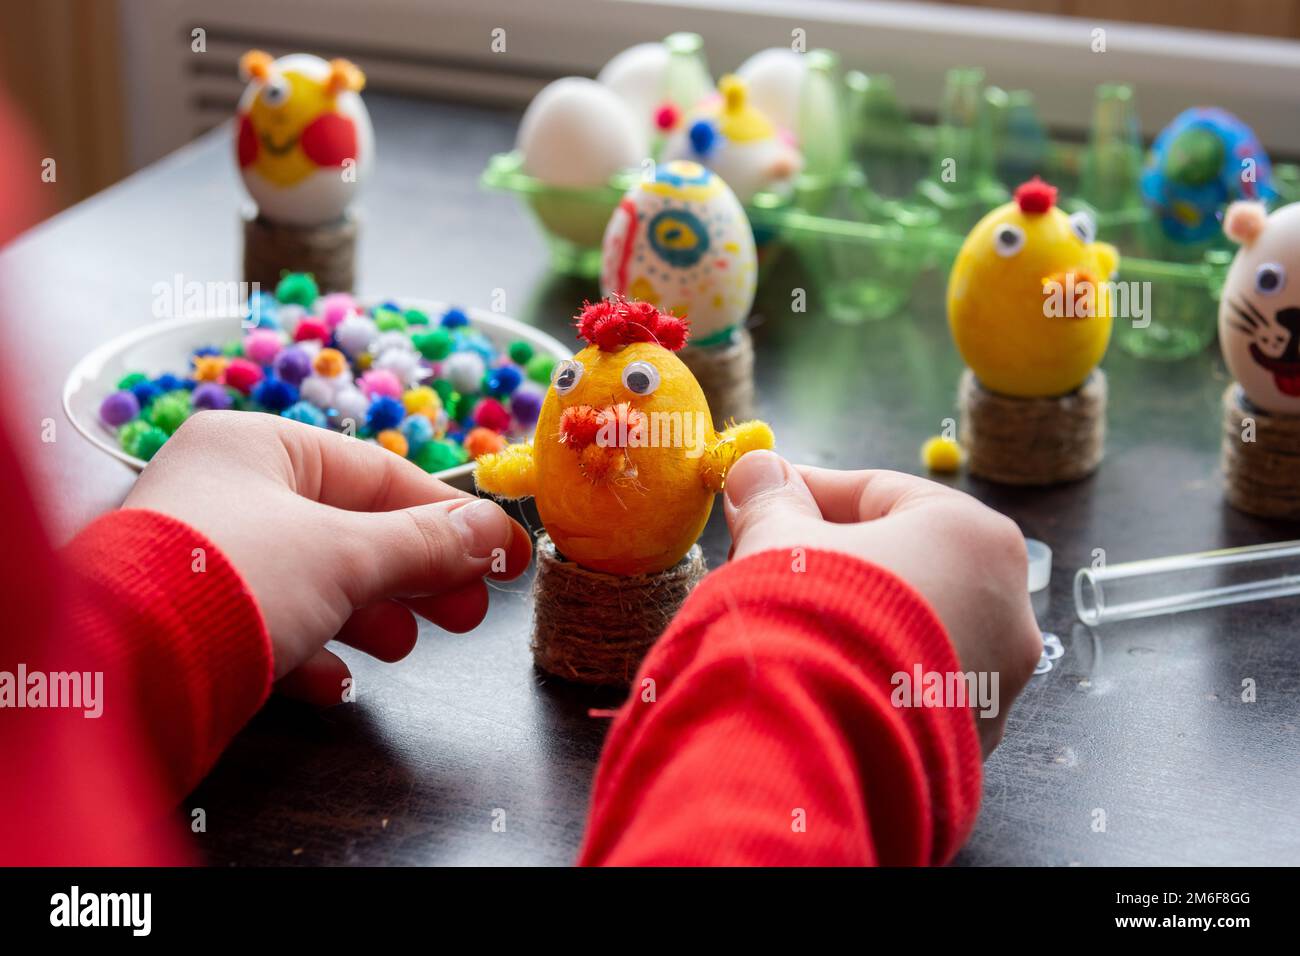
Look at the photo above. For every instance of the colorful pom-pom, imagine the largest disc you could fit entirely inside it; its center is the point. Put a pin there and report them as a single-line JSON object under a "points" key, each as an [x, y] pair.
{"points": [[307, 413], [667, 117], [703, 135], [454, 319], [128, 436], [211, 396], [483, 441], [145, 392], [262, 346], [275, 394], [384, 413], [131, 380], [293, 365], [335, 307], [393, 440], [147, 443], [209, 368], [435, 345], [420, 399], [350, 406], [579, 425], [1035, 197], [169, 411], [241, 375], [298, 288], [119, 408], [490, 413], [503, 380], [329, 363], [465, 371], [520, 352], [311, 329], [355, 334], [941, 455], [439, 455], [526, 404], [418, 431], [379, 382], [615, 322], [540, 368]]}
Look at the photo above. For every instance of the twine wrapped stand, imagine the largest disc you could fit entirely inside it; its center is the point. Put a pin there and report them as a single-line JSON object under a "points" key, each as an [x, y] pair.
{"points": [[594, 628], [726, 374], [327, 251], [1261, 458], [1033, 441]]}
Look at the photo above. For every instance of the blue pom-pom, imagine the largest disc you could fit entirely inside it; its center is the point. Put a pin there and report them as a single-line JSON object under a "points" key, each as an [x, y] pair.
{"points": [[275, 394], [418, 432], [261, 311], [504, 380], [703, 136], [454, 318], [470, 341], [168, 382], [205, 351], [384, 413], [145, 392], [307, 413]]}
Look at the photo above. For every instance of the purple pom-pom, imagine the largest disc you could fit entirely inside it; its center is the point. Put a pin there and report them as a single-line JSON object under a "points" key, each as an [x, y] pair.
{"points": [[119, 408], [526, 404], [293, 365], [211, 396]]}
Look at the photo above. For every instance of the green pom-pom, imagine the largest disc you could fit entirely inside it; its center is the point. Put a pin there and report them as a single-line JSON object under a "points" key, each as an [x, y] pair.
{"points": [[233, 349], [298, 288], [461, 407], [169, 411], [129, 434], [520, 352], [434, 345], [540, 367], [416, 317], [388, 320], [150, 440], [131, 380], [440, 454]]}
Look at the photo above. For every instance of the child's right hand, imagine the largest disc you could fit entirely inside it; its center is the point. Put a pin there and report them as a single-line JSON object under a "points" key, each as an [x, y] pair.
{"points": [[964, 558]]}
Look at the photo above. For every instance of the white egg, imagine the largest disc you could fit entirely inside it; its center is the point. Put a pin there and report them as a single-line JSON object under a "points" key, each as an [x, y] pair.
{"points": [[576, 134], [303, 137], [775, 80], [683, 243], [641, 76]]}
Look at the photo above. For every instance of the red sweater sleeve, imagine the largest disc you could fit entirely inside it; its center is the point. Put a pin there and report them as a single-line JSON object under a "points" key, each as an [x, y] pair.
{"points": [[760, 729]]}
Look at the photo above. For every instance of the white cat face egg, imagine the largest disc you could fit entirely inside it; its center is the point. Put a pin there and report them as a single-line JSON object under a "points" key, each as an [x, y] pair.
{"points": [[1259, 308], [303, 137], [682, 242]]}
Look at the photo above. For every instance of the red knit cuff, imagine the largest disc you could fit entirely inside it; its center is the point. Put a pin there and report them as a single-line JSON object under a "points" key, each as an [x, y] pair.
{"points": [[893, 630], [186, 641]]}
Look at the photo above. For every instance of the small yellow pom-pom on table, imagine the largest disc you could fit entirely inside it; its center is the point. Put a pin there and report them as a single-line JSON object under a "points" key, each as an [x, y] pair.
{"points": [[624, 466]]}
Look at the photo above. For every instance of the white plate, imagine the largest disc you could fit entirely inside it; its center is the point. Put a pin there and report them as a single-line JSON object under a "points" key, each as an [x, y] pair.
{"points": [[166, 347]]}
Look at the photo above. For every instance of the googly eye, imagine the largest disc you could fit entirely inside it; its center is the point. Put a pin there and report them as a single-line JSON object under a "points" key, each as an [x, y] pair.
{"points": [[1270, 278], [1008, 239], [566, 376], [1083, 227], [275, 92], [640, 378]]}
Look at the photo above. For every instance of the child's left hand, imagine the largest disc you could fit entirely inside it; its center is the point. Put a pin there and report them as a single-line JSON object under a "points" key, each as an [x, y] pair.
{"points": [[337, 538]]}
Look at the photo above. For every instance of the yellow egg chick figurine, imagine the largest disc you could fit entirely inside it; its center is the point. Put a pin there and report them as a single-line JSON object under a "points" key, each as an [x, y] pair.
{"points": [[1027, 297], [625, 461], [303, 136]]}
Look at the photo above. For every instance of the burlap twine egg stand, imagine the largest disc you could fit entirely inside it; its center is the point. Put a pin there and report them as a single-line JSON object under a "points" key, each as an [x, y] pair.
{"points": [[1033, 441], [328, 252], [594, 628], [726, 375], [1261, 458]]}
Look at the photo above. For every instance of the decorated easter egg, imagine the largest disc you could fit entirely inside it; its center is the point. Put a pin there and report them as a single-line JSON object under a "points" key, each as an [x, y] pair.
{"points": [[658, 80], [303, 136], [738, 142], [681, 241], [1259, 309], [575, 135], [1201, 161], [775, 80]]}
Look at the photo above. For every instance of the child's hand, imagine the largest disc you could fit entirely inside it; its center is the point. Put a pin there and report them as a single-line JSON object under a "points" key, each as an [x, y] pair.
{"points": [[327, 531], [967, 560]]}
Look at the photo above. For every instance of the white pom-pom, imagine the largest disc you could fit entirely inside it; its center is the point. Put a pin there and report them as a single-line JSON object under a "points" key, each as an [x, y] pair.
{"points": [[465, 371], [355, 334]]}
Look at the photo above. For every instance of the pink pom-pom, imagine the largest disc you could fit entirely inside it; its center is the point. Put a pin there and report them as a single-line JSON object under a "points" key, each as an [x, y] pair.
{"points": [[490, 413], [262, 346], [335, 307], [380, 382], [242, 375], [667, 117]]}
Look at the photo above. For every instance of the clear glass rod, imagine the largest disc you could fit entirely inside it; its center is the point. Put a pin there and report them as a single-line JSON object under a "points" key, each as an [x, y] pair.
{"points": [[1186, 582]]}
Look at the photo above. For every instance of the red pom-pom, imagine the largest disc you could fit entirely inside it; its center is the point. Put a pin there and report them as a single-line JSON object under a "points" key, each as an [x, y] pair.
{"points": [[490, 413], [241, 375], [578, 425], [667, 117], [615, 322], [311, 328], [1035, 196]]}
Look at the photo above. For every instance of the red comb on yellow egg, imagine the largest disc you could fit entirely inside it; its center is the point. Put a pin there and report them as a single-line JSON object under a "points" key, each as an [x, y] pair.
{"points": [[615, 322], [1035, 196]]}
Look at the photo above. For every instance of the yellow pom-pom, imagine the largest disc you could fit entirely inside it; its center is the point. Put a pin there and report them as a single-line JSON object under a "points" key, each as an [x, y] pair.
{"points": [[508, 473], [751, 436], [941, 454], [394, 441], [209, 368], [422, 399], [732, 443]]}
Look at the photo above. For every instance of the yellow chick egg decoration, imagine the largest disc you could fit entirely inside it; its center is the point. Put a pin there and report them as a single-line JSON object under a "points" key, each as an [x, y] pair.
{"points": [[625, 461], [303, 136], [1028, 301]]}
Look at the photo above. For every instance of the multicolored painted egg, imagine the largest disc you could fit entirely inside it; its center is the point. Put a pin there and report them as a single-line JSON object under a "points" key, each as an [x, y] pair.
{"points": [[738, 142], [303, 136], [682, 242], [1203, 160]]}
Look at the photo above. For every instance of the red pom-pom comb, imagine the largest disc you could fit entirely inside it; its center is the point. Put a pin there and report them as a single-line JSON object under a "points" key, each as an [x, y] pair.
{"points": [[615, 322], [1035, 196]]}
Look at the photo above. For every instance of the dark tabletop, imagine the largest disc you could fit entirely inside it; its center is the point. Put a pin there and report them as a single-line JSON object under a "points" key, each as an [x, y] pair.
{"points": [[1144, 721]]}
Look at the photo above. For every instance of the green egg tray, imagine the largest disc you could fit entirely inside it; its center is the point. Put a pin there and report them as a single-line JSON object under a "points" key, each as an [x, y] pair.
{"points": [[882, 216]]}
